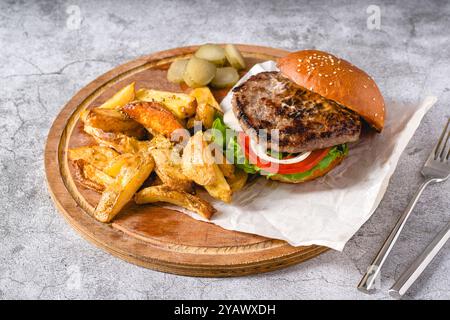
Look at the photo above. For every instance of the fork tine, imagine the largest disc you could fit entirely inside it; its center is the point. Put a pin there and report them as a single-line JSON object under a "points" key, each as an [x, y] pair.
{"points": [[438, 152], [444, 147]]}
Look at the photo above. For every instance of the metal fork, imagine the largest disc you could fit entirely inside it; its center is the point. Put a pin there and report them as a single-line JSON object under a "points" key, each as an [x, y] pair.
{"points": [[436, 169]]}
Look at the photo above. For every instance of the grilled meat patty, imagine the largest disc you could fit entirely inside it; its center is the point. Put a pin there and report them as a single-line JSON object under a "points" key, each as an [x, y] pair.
{"points": [[306, 121]]}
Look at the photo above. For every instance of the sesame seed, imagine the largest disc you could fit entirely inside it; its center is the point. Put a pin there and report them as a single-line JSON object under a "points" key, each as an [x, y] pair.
{"points": [[330, 83], [365, 86]]}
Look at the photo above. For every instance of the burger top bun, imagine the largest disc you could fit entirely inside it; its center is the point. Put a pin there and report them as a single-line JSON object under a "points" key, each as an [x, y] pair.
{"points": [[338, 80]]}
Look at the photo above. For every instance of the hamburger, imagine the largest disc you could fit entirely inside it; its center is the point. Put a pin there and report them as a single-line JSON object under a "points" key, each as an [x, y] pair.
{"points": [[296, 122]]}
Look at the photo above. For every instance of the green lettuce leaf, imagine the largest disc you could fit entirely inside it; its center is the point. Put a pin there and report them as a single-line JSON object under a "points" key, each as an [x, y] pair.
{"points": [[231, 146]]}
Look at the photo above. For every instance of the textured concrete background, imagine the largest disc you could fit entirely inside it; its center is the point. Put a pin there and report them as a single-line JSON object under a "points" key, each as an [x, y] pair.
{"points": [[45, 59]]}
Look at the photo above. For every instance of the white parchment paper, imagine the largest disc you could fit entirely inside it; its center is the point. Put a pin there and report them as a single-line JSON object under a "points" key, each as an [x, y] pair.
{"points": [[330, 210]]}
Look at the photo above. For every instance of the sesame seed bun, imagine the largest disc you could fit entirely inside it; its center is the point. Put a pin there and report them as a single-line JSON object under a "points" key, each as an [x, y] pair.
{"points": [[337, 80]]}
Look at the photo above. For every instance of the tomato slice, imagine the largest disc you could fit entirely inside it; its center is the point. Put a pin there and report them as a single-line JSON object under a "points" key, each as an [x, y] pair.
{"points": [[313, 159]]}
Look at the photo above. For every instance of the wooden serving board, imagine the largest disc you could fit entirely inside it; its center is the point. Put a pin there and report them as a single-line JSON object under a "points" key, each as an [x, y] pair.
{"points": [[148, 235]]}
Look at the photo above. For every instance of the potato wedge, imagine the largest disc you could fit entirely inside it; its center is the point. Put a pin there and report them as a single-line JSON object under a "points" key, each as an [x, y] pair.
{"points": [[180, 104], [183, 199], [205, 114], [91, 177], [225, 166], [111, 120], [220, 188], [160, 142], [154, 117], [203, 95], [98, 156], [115, 165], [118, 141], [169, 170], [190, 123], [197, 161], [238, 180], [121, 191], [121, 98]]}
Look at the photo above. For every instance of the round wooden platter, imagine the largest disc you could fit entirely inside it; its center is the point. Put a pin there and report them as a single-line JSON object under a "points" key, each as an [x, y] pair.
{"points": [[149, 235]]}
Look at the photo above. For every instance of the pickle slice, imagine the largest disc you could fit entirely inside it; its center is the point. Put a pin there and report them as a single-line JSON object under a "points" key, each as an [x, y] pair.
{"points": [[234, 57], [199, 72], [176, 71], [225, 77], [213, 53]]}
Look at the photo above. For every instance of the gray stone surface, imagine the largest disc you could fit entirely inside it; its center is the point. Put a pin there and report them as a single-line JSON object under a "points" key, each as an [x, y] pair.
{"points": [[45, 59]]}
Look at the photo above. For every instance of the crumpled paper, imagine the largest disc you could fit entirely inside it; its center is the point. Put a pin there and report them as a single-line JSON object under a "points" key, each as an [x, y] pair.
{"points": [[327, 211]]}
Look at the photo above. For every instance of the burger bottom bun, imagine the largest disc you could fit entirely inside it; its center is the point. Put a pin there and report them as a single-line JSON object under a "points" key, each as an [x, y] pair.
{"points": [[316, 174]]}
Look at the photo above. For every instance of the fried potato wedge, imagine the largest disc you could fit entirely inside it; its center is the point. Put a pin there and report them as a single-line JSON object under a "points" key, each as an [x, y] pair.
{"points": [[98, 156], [90, 176], [206, 107], [190, 123], [180, 104], [205, 114], [238, 180], [225, 166], [154, 117], [121, 98], [116, 195], [118, 141], [227, 169], [198, 161], [203, 95], [168, 169], [183, 199], [160, 142], [115, 165], [220, 188], [111, 120]]}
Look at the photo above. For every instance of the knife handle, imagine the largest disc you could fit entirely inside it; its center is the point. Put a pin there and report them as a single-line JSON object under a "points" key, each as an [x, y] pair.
{"points": [[368, 280], [422, 261]]}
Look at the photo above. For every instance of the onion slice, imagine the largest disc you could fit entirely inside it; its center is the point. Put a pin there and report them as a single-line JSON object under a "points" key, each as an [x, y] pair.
{"points": [[260, 151]]}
